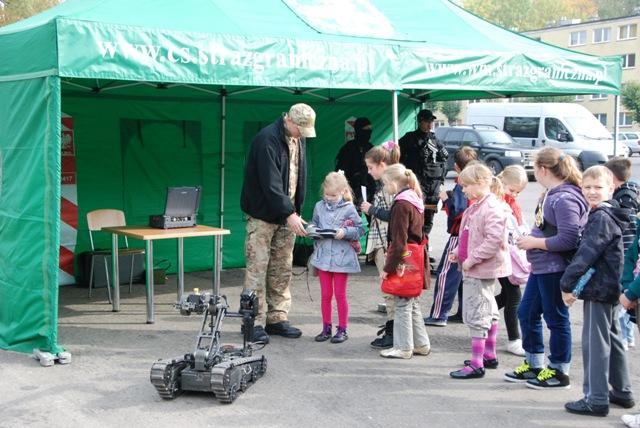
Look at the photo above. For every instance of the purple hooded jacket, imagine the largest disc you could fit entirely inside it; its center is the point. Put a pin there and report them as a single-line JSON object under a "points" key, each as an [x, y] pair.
{"points": [[565, 208]]}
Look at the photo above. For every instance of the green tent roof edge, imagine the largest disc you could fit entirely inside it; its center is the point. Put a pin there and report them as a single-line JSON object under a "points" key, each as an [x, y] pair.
{"points": [[115, 51]]}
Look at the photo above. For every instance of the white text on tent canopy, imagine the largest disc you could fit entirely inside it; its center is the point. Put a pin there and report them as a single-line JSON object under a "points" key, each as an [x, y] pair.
{"points": [[486, 69], [95, 50], [173, 56]]}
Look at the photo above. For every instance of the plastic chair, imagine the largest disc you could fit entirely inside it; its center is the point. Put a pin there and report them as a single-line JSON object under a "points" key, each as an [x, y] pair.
{"points": [[96, 220]]}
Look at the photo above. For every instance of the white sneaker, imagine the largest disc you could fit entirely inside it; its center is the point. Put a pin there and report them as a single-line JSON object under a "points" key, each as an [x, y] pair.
{"points": [[396, 353], [422, 350], [625, 345], [631, 343], [515, 347], [632, 421]]}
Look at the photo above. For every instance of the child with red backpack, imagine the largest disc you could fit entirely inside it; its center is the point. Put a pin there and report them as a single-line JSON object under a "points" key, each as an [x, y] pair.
{"points": [[406, 240]]}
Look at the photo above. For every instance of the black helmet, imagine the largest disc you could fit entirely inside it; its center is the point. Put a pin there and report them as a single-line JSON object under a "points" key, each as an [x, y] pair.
{"points": [[425, 116]]}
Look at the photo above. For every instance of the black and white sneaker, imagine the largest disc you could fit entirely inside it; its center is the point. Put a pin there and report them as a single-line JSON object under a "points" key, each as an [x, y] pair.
{"points": [[549, 378]]}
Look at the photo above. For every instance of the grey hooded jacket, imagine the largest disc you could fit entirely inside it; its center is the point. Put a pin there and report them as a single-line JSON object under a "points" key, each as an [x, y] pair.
{"points": [[337, 255]]}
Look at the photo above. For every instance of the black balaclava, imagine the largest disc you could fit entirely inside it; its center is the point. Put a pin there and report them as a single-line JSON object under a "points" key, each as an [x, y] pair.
{"points": [[424, 115], [362, 136]]}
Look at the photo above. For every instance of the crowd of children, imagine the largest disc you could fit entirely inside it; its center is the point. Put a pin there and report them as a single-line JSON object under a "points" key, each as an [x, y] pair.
{"points": [[584, 233]]}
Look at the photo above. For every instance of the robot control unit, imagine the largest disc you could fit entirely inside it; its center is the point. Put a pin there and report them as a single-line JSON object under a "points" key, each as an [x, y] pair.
{"points": [[213, 367]]}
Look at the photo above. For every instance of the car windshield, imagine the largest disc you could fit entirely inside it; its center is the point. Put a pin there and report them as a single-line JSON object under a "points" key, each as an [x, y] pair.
{"points": [[632, 135], [495, 137], [588, 126]]}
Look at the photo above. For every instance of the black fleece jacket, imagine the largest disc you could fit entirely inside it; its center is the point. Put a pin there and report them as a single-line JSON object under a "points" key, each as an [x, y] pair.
{"points": [[416, 155], [600, 248], [265, 190]]}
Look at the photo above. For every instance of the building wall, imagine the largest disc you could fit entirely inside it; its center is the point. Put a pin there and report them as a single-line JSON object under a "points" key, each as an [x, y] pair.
{"points": [[562, 36]]}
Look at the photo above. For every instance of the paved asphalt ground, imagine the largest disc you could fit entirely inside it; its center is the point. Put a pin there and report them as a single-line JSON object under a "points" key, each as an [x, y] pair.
{"points": [[307, 383]]}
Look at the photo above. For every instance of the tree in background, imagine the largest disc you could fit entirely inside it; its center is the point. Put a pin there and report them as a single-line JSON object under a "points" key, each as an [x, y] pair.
{"points": [[15, 10], [512, 14], [451, 109], [524, 15], [586, 9], [434, 106], [616, 8], [547, 99], [631, 98]]}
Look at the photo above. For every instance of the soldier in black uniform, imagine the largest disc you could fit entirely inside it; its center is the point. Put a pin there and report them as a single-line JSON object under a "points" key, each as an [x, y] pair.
{"points": [[427, 158], [350, 159]]}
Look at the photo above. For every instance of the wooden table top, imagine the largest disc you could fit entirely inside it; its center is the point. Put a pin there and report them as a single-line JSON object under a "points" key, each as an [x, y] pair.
{"points": [[147, 233]]}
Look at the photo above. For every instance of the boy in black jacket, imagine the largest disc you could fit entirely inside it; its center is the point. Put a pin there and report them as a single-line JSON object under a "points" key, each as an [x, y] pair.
{"points": [[626, 194], [601, 248]]}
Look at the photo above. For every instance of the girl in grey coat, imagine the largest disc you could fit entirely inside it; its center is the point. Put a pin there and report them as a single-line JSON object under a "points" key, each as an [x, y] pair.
{"points": [[335, 256]]}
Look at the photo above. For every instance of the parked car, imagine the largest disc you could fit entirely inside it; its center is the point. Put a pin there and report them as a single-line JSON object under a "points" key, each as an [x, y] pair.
{"points": [[631, 140], [496, 148]]}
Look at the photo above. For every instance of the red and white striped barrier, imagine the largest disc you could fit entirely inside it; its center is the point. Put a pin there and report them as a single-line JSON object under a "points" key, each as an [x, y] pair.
{"points": [[68, 204]]}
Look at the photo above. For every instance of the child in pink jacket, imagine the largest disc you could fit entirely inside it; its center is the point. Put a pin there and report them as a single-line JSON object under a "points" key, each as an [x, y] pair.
{"points": [[483, 254]]}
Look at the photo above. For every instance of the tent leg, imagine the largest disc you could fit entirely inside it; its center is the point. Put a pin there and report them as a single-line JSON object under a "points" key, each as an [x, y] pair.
{"points": [[115, 273], [394, 102], [223, 136], [616, 112]]}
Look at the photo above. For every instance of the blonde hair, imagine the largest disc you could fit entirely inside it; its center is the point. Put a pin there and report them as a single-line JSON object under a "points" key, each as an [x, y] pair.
{"points": [[476, 173], [402, 177], [338, 181], [514, 175], [387, 152], [598, 171], [497, 188], [560, 165]]}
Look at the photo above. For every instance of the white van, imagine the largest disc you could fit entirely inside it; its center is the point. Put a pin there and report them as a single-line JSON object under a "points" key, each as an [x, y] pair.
{"points": [[568, 127]]}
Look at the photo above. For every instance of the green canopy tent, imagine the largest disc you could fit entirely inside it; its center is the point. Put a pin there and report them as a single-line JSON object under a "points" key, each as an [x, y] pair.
{"points": [[163, 93]]}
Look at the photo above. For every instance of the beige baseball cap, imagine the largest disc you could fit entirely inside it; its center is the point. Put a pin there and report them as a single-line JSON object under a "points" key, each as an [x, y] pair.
{"points": [[304, 116]]}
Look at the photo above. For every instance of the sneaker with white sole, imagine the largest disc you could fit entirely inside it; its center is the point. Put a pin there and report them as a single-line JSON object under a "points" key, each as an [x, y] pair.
{"points": [[522, 373], [434, 322], [632, 421], [515, 347], [396, 353], [549, 378], [422, 350]]}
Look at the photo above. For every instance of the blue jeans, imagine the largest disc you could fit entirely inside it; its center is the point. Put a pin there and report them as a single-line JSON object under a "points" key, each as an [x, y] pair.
{"points": [[626, 327], [542, 297]]}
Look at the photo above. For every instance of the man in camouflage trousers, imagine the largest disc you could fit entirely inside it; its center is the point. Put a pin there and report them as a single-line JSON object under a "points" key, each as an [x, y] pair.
{"points": [[272, 195]]}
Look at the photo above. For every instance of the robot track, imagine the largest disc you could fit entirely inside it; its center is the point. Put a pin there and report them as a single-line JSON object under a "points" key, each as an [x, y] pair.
{"points": [[231, 376], [165, 377]]}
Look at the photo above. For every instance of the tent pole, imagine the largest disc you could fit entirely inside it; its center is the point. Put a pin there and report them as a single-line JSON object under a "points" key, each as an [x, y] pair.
{"points": [[223, 129], [616, 112], [394, 101]]}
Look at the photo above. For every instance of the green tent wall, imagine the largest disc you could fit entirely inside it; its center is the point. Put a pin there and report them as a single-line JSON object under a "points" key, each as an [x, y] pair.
{"points": [[164, 96]]}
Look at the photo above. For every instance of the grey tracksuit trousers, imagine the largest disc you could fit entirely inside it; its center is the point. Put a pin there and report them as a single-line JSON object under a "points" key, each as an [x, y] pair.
{"points": [[604, 358]]}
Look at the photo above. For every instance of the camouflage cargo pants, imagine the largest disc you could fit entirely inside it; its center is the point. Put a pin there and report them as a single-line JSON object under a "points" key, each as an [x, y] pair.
{"points": [[269, 257]]}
